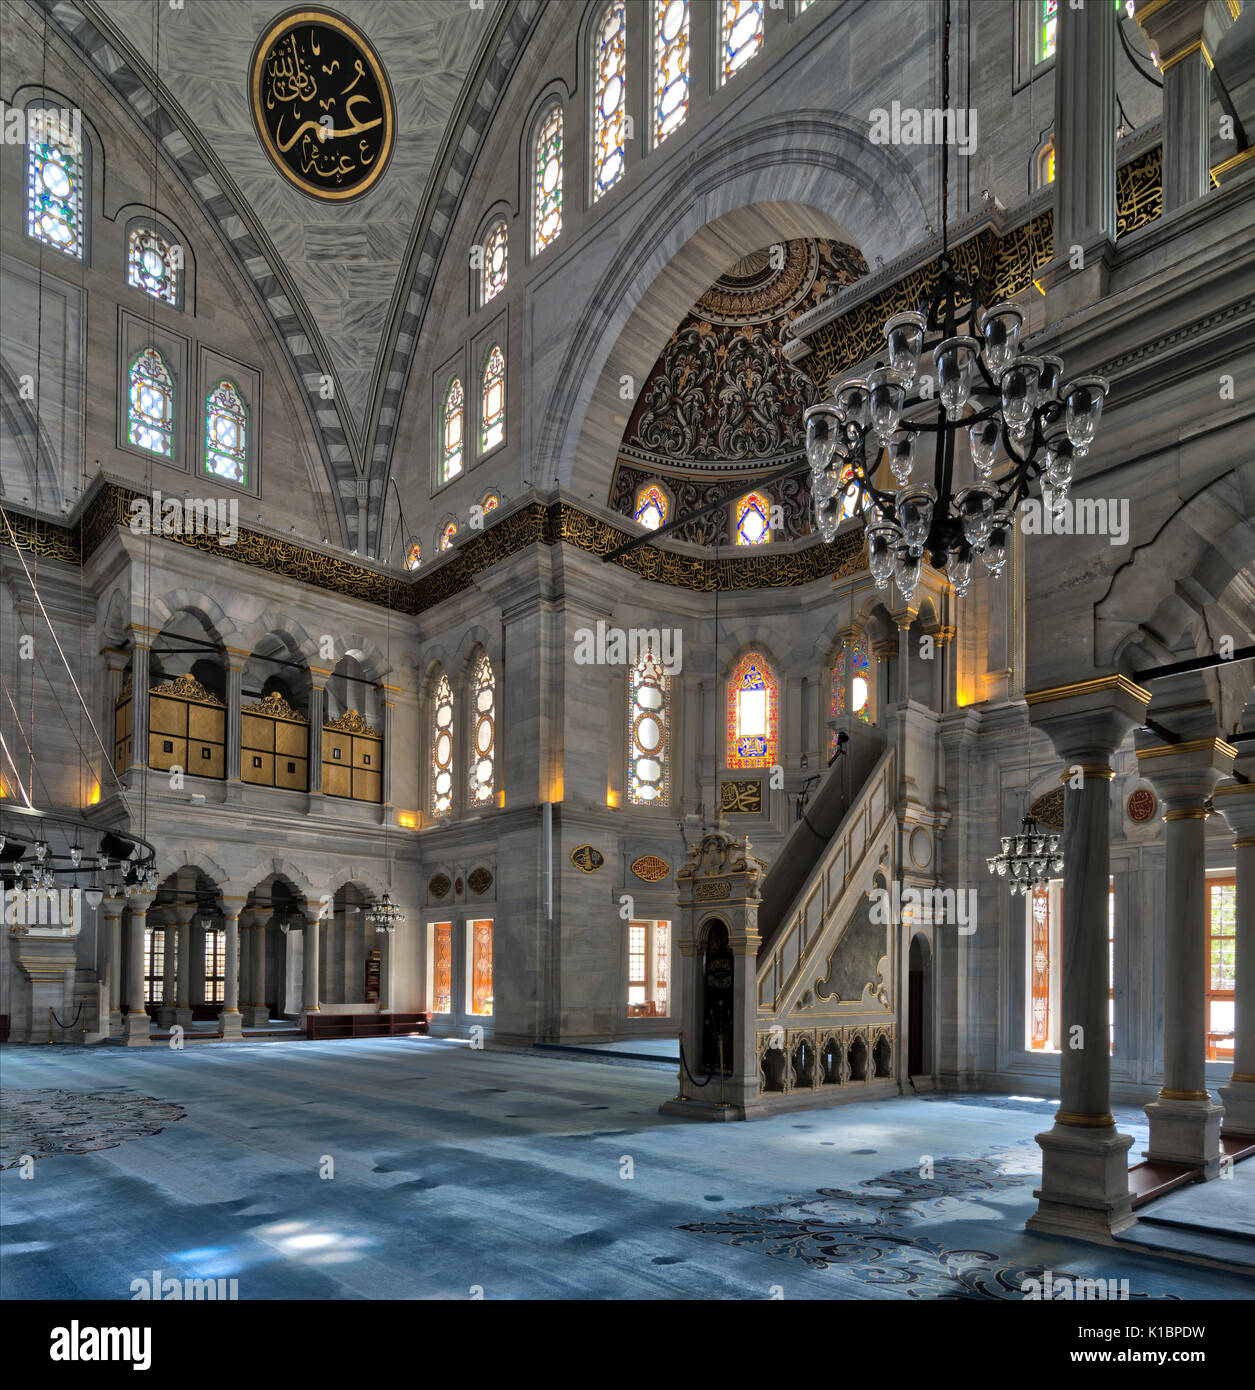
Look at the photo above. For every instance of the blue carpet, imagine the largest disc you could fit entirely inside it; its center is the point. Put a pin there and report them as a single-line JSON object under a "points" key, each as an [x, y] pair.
{"points": [[420, 1168]]}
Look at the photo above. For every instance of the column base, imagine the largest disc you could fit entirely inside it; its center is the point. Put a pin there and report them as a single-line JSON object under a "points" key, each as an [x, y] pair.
{"points": [[165, 1016], [232, 1023], [1239, 1109], [701, 1109], [115, 1023], [1084, 1188], [135, 1030], [1185, 1131], [255, 1015], [183, 1016]]}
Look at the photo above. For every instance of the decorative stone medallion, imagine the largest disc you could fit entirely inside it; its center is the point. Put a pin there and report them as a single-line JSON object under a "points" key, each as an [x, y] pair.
{"points": [[587, 859], [712, 889], [1141, 805], [650, 868], [479, 880], [742, 797], [439, 886], [322, 105], [1048, 810]]}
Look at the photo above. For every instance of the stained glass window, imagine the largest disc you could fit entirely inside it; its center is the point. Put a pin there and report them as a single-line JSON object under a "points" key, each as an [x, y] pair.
{"points": [[442, 967], [215, 964], [54, 173], [649, 732], [547, 180], [671, 67], [483, 721], [442, 749], [451, 430], [481, 967], [609, 98], [496, 254], [1221, 968], [1048, 29], [151, 411], [852, 495], [753, 520], [226, 434], [492, 401], [491, 502], [413, 554], [752, 718], [150, 265], [651, 506], [852, 684], [1039, 970], [447, 533], [741, 34]]}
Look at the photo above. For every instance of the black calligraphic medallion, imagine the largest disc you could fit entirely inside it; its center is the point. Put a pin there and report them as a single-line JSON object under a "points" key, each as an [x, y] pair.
{"points": [[322, 105]]}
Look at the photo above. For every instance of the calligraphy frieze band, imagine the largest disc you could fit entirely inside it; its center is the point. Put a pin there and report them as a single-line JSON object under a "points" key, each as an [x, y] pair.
{"points": [[322, 105]]}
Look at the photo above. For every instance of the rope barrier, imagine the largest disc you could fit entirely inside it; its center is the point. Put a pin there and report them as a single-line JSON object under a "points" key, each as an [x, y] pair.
{"points": [[692, 1079], [72, 1022]]}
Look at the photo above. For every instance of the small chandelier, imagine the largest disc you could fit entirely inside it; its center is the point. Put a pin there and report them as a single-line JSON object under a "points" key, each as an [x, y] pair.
{"points": [[1028, 859], [385, 914]]}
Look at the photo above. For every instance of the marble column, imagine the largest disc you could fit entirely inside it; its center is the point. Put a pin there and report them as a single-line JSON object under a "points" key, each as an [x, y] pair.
{"points": [[136, 1023], [317, 708], [312, 927], [257, 1010], [1085, 164], [183, 914], [1085, 1182], [1236, 803], [235, 681], [1184, 34], [139, 705], [169, 987], [229, 1019], [903, 619], [111, 916], [1185, 1121]]}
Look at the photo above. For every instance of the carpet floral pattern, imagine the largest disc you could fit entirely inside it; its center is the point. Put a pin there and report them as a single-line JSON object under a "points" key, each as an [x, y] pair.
{"points": [[42, 1123], [876, 1229]]}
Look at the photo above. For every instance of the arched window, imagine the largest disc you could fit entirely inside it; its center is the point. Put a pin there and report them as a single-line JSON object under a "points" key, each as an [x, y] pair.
{"points": [[226, 435], [671, 67], [150, 265], [853, 498], [753, 520], [483, 721], [547, 179], [853, 689], [492, 401], [451, 430], [740, 34], [652, 505], [442, 749], [609, 97], [447, 533], [150, 413], [649, 732], [752, 713], [496, 254], [413, 554], [490, 503], [54, 180], [1046, 163]]}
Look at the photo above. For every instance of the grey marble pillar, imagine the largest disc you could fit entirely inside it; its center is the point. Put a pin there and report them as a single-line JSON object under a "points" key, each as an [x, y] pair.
{"points": [[1184, 1120], [257, 1010], [1236, 802], [111, 914], [139, 706], [229, 1019], [169, 931], [135, 1024], [312, 928], [1085, 1185], [317, 708], [184, 912], [235, 678]]}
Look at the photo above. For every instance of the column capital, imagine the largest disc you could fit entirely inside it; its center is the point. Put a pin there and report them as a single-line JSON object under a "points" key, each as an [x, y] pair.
{"points": [[1176, 28], [111, 908], [904, 617], [140, 902], [1088, 720], [184, 913], [1235, 801], [1185, 774]]}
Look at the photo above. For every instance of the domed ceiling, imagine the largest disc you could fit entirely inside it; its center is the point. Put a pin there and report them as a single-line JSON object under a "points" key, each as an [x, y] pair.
{"points": [[721, 400]]}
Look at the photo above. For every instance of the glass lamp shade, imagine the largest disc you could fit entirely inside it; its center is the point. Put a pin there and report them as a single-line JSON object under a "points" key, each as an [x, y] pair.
{"points": [[823, 433], [959, 568], [976, 506], [1083, 400], [829, 515], [1051, 376], [905, 335], [1059, 456], [906, 571], [882, 543], [902, 457], [888, 396], [854, 404], [1021, 391], [983, 436], [1000, 328], [995, 551], [915, 512], [955, 359]]}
